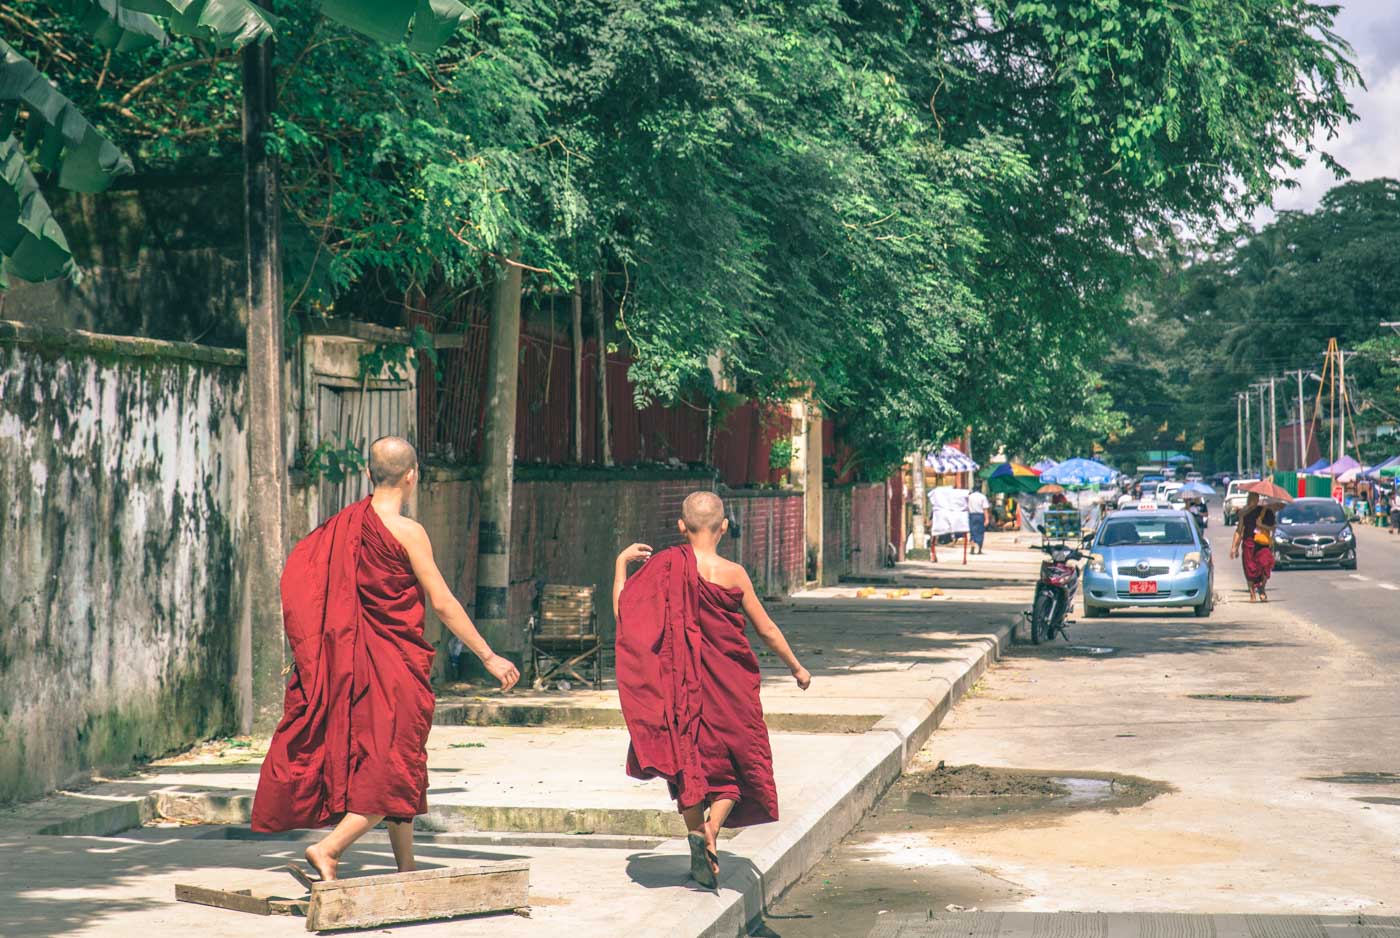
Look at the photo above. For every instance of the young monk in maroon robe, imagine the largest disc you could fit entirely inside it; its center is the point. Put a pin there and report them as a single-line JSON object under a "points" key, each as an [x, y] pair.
{"points": [[688, 681], [351, 747]]}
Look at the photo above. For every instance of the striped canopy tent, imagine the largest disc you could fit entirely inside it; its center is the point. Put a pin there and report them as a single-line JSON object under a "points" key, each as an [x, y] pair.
{"points": [[950, 461], [1012, 478]]}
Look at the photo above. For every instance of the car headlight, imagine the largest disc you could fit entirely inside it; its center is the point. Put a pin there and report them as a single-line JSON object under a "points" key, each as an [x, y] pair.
{"points": [[1096, 563], [1346, 534], [1191, 562]]}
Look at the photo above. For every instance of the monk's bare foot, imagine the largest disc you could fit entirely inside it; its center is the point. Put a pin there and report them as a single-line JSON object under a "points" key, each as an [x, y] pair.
{"points": [[324, 863], [712, 847]]}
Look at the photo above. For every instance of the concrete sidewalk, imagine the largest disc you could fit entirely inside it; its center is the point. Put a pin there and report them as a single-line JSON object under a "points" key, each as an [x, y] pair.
{"points": [[539, 776]]}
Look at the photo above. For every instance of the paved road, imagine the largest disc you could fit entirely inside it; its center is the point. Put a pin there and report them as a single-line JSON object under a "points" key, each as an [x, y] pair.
{"points": [[1283, 807], [1359, 606]]}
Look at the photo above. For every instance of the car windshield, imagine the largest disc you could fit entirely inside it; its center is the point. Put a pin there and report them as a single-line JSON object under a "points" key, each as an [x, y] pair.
{"points": [[1296, 513], [1128, 532]]}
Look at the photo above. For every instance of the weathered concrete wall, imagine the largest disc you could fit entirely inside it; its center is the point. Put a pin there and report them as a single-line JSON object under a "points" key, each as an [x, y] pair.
{"points": [[855, 530], [122, 471]]}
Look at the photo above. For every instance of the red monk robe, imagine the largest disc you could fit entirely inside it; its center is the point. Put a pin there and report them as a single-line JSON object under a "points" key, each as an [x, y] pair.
{"points": [[359, 705], [688, 681]]}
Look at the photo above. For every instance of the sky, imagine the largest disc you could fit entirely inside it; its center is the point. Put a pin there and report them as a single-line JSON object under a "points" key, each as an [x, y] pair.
{"points": [[1371, 146]]}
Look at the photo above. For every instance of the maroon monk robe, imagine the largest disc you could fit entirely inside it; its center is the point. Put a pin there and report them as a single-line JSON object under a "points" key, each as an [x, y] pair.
{"points": [[359, 705], [688, 682]]}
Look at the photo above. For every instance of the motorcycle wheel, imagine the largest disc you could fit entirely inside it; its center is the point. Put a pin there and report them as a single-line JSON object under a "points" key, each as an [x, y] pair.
{"points": [[1042, 617]]}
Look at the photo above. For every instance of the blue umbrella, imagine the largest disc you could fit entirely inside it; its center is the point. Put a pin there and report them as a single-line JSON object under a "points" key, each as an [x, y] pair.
{"points": [[1079, 472], [1198, 488], [1178, 458], [1043, 465]]}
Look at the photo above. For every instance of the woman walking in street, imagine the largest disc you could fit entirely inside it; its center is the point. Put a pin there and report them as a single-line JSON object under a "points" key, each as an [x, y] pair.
{"points": [[1254, 538]]}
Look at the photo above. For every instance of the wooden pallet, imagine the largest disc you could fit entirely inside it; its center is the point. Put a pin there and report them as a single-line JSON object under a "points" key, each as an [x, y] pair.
{"points": [[386, 899]]}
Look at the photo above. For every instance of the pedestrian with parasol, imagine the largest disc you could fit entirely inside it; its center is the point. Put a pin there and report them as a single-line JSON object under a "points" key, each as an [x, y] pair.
{"points": [[1254, 536]]}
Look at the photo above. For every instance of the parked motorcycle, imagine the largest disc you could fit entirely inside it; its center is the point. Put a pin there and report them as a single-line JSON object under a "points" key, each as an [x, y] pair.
{"points": [[1055, 591]]}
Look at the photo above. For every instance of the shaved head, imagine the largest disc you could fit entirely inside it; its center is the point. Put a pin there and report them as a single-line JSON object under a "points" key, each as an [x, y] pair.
{"points": [[390, 459], [702, 511]]}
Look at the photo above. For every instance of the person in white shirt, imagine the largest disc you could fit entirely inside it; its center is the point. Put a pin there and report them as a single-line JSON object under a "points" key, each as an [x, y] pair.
{"points": [[979, 512]]}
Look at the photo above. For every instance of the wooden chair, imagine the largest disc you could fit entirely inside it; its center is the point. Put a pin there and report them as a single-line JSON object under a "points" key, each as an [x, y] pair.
{"points": [[565, 636]]}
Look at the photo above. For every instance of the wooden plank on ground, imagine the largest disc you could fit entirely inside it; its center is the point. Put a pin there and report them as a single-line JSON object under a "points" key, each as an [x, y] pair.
{"points": [[370, 901], [238, 900]]}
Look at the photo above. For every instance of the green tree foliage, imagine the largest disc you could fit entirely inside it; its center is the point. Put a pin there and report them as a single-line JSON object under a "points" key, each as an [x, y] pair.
{"points": [[1257, 303], [926, 213]]}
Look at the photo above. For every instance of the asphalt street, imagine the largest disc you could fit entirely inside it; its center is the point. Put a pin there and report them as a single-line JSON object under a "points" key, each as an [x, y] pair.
{"points": [[1272, 729]]}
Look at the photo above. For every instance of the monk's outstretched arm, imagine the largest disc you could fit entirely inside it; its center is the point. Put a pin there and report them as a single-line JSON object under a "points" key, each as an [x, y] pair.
{"points": [[448, 609], [629, 554], [770, 633]]}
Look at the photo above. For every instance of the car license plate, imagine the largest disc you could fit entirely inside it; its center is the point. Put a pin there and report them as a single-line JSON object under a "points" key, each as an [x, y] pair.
{"points": [[1143, 586], [1314, 552]]}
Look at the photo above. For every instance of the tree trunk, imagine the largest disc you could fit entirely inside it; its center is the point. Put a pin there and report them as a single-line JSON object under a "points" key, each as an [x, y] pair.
{"points": [[604, 424], [259, 680], [492, 613], [918, 509], [578, 371]]}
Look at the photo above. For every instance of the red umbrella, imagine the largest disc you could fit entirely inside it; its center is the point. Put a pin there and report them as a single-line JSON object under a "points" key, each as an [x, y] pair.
{"points": [[1266, 488]]}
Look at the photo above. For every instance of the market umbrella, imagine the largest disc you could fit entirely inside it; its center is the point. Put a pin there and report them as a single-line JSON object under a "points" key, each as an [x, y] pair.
{"points": [[1267, 489], [1079, 472], [1012, 477], [1049, 488], [950, 460]]}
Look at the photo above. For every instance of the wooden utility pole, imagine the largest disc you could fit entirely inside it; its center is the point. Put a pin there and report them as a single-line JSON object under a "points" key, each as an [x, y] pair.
{"points": [[577, 322], [258, 675], [604, 424], [918, 506], [492, 613]]}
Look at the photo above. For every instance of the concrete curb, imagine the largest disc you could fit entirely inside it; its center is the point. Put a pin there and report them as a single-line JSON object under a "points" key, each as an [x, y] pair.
{"points": [[778, 859]]}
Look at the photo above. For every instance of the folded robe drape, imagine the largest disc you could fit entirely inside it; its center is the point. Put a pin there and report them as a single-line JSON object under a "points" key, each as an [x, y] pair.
{"points": [[688, 683], [359, 705]]}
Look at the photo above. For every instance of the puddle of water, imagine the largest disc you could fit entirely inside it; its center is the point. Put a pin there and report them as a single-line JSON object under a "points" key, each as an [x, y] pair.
{"points": [[974, 792], [1359, 778], [1251, 698]]}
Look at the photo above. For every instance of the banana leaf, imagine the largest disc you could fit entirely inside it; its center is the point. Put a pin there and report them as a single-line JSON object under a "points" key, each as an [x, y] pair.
{"points": [[65, 142], [226, 23], [30, 238], [113, 25], [388, 21]]}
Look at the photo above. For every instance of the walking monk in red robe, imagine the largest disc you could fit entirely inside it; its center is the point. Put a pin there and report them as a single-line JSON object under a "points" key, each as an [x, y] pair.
{"points": [[351, 747], [688, 681]]}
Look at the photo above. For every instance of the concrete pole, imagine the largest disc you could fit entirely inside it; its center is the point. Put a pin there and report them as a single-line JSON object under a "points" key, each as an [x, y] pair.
{"points": [[577, 322], [604, 424], [260, 646], [1273, 422], [1239, 435], [918, 507], [1249, 437], [497, 466]]}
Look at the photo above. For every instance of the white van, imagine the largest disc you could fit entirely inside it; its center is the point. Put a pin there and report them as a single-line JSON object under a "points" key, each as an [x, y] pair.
{"points": [[1235, 497]]}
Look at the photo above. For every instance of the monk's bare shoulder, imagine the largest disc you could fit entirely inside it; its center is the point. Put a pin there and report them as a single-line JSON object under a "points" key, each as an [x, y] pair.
{"points": [[730, 574], [412, 535]]}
